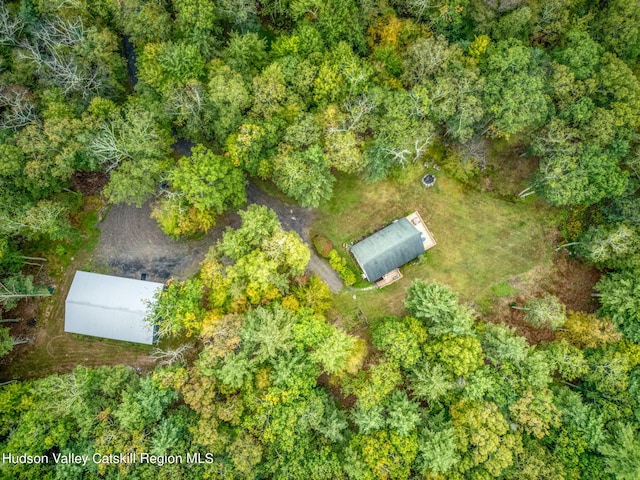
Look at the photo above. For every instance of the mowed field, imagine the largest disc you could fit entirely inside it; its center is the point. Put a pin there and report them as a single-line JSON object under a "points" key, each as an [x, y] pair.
{"points": [[482, 240]]}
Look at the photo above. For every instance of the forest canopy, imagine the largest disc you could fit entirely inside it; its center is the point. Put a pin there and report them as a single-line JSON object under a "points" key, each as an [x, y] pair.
{"points": [[299, 94]]}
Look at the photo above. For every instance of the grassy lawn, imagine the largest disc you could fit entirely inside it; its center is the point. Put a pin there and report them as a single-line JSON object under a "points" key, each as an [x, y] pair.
{"points": [[482, 240]]}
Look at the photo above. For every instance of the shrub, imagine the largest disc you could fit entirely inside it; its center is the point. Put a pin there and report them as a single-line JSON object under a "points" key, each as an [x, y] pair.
{"points": [[322, 245], [339, 264], [462, 168]]}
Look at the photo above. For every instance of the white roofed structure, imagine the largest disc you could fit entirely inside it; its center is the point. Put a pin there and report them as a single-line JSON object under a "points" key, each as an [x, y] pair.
{"points": [[110, 307]]}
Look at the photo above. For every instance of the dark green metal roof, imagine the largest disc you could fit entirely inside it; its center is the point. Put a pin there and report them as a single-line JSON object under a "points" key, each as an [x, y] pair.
{"points": [[390, 248]]}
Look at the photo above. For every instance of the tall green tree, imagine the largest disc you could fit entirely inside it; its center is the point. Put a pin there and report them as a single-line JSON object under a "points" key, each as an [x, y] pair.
{"points": [[619, 294], [617, 27], [303, 175], [258, 223], [228, 99], [246, 54], [484, 439], [437, 448], [133, 146], [177, 308], [545, 311], [169, 64], [202, 185], [400, 338], [6, 341], [145, 22], [622, 457], [515, 95], [437, 306]]}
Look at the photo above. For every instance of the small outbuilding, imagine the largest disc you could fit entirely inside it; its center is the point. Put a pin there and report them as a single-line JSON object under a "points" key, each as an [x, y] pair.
{"points": [[110, 307], [385, 251]]}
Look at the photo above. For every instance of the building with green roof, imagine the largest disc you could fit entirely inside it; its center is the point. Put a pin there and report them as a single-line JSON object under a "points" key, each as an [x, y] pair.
{"points": [[393, 246]]}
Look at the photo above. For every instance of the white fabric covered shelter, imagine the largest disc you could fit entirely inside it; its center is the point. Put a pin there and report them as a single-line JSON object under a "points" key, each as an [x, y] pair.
{"points": [[110, 307]]}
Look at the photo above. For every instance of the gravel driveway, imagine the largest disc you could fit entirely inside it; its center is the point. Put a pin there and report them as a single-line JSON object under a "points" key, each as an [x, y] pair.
{"points": [[131, 242]]}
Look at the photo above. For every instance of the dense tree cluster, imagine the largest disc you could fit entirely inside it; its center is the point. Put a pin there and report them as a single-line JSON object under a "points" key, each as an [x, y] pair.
{"points": [[440, 395], [294, 91]]}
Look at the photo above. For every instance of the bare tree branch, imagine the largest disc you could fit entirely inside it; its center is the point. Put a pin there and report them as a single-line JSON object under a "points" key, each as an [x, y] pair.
{"points": [[10, 27], [106, 147], [18, 110], [171, 356]]}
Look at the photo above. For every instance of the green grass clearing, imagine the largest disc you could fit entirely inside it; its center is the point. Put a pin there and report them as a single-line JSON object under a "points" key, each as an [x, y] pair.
{"points": [[482, 240], [503, 289]]}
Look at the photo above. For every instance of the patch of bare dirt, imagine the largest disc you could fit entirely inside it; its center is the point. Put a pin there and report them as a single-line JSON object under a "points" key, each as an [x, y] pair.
{"points": [[515, 319], [508, 171], [131, 242], [573, 283], [569, 280], [89, 183], [533, 284]]}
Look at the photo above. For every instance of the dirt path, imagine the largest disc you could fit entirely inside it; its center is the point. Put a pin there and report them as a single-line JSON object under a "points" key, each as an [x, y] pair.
{"points": [[319, 266]]}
